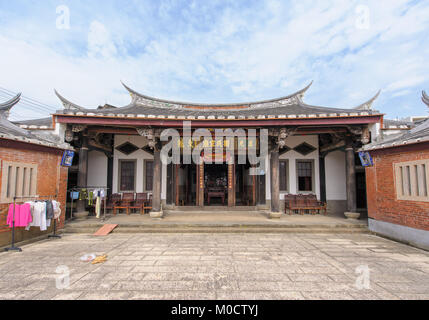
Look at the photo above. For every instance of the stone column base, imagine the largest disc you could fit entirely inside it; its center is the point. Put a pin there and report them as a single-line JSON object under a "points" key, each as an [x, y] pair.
{"points": [[156, 215], [83, 215], [275, 215], [352, 215]]}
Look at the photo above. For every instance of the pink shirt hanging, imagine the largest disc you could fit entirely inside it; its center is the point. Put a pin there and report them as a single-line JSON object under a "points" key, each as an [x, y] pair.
{"points": [[22, 215]]}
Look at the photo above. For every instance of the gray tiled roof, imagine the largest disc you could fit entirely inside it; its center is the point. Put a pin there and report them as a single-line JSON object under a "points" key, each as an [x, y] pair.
{"points": [[11, 131], [290, 106], [36, 123], [415, 135], [398, 124]]}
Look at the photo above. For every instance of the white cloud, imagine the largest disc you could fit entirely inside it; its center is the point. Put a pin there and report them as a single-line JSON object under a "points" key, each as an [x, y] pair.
{"points": [[100, 42], [219, 52]]}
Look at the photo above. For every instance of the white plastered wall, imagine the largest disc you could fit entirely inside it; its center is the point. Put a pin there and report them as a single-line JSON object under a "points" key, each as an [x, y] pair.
{"points": [[293, 156], [335, 169], [97, 169]]}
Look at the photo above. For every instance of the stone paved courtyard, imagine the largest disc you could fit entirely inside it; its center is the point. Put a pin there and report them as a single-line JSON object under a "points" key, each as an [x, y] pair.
{"points": [[217, 266]]}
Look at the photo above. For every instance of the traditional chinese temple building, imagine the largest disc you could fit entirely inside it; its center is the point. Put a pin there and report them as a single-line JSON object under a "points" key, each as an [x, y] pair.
{"points": [[311, 149]]}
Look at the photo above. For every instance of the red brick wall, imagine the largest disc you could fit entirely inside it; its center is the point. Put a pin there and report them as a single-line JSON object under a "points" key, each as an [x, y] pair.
{"points": [[51, 180], [381, 192]]}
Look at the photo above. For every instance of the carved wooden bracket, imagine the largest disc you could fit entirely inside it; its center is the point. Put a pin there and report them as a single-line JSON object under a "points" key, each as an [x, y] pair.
{"points": [[78, 128], [281, 134], [149, 134], [361, 134]]}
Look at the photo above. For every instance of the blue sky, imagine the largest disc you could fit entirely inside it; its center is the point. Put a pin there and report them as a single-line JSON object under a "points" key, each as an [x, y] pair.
{"points": [[217, 51]]}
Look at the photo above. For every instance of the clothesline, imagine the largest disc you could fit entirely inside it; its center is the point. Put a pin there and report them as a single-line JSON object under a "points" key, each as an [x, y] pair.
{"points": [[32, 213], [91, 193]]}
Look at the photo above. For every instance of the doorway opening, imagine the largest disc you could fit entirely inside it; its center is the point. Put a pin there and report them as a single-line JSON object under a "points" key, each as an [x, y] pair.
{"points": [[216, 184]]}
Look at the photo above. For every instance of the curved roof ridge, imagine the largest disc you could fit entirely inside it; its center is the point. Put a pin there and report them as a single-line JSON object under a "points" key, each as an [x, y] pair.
{"points": [[68, 105], [135, 95], [425, 98], [368, 104], [6, 106]]}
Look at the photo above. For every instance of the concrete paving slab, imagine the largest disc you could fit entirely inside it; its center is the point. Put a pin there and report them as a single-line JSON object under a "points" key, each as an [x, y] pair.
{"points": [[216, 266]]}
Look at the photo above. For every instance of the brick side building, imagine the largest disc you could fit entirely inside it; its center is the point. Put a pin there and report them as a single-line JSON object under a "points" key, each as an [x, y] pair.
{"points": [[398, 186], [30, 164]]}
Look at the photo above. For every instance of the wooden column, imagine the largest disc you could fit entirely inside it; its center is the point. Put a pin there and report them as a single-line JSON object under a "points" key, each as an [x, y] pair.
{"points": [[350, 179], [322, 176], [275, 186], [82, 175], [109, 174], [176, 184], [253, 189], [231, 185], [156, 197], [200, 185]]}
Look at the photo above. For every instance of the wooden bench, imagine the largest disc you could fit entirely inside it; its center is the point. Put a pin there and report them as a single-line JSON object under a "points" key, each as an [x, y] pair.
{"points": [[300, 203], [147, 204], [112, 201], [139, 203], [125, 203]]}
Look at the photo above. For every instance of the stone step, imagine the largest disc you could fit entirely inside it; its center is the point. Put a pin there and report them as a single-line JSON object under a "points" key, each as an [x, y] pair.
{"points": [[221, 225], [222, 229], [194, 209], [211, 212]]}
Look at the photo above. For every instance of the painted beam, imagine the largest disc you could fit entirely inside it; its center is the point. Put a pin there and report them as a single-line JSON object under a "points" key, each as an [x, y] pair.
{"points": [[218, 123]]}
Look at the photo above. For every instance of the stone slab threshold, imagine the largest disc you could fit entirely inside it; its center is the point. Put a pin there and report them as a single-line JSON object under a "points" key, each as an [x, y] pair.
{"points": [[221, 222], [88, 230]]}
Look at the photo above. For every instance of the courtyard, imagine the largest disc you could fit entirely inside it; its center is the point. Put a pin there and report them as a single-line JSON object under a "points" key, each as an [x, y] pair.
{"points": [[216, 266]]}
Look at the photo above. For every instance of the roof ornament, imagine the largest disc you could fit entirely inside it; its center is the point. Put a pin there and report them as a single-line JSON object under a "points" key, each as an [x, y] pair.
{"points": [[301, 94], [425, 98], [8, 105], [368, 105], [67, 104]]}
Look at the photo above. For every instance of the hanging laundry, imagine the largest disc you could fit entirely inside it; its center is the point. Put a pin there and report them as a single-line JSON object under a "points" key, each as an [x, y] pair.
{"points": [[57, 209], [74, 195], [90, 198], [39, 216], [83, 195], [22, 215], [49, 210], [98, 207]]}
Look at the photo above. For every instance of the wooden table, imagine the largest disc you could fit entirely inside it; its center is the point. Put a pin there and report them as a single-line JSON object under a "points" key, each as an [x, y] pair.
{"points": [[216, 194]]}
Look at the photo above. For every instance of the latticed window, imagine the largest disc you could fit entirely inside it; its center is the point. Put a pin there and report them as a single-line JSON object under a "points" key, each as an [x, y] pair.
{"points": [[148, 175], [412, 180], [18, 179], [127, 173], [305, 175]]}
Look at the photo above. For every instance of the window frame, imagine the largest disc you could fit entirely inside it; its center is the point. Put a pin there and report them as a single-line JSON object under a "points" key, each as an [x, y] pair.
{"points": [[313, 176], [413, 184], [120, 161], [22, 183], [145, 174], [287, 184]]}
